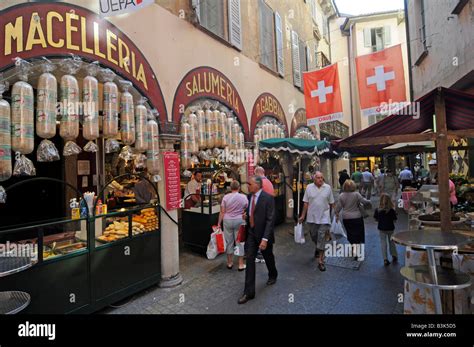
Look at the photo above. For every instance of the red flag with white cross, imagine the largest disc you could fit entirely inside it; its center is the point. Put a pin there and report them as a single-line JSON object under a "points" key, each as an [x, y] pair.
{"points": [[381, 80], [322, 95]]}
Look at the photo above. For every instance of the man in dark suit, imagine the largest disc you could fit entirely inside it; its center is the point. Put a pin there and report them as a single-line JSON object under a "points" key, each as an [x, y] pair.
{"points": [[260, 220]]}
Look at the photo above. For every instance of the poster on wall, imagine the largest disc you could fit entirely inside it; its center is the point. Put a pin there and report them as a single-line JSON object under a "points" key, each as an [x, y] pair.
{"points": [[172, 180]]}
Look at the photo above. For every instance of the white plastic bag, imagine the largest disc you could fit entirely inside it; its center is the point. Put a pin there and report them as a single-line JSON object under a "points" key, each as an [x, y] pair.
{"points": [[337, 229], [299, 234], [211, 248]]}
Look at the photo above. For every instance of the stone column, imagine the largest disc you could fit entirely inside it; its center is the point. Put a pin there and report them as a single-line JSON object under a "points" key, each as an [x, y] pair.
{"points": [[170, 275]]}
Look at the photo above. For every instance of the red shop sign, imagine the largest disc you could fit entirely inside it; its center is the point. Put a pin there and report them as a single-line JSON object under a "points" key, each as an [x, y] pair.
{"points": [[267, 105], [172, 180], [33, 30]]}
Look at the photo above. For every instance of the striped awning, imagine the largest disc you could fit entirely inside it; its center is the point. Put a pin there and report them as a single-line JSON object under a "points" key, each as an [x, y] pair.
{"points": [[415, 120]]}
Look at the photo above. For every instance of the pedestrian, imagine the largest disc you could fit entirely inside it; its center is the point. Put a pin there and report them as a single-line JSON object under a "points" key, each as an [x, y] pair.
{"points": [[367, 183], [260, 235], [379, 181], [406, 176], [267, 188], [318, 204], [343, 176], [390, 185], [232, 206], [377, 172], [385, 215], [350, 202], [357, 178]]}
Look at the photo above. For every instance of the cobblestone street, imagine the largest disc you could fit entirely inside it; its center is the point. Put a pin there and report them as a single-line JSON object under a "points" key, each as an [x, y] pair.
{"points": [[209, 287]]}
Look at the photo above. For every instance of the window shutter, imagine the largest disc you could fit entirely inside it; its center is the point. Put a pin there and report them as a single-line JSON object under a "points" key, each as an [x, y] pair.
{"points": [[303, 65], [386, 35], [279, 44], [235, 27], [196, 5], [295, 52], [367, 38]]}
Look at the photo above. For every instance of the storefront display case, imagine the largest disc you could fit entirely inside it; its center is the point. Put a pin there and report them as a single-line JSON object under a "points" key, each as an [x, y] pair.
{"points": [[87, 261]]}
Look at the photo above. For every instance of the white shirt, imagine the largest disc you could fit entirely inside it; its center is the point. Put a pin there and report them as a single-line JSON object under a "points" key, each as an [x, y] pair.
{"points": [[318, 200]]}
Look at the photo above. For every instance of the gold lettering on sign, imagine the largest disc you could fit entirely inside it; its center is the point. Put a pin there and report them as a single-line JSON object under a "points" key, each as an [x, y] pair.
{"points": [[96, 41], [110, 47], [70, 29], [14, 32], [35, 29], [85, 49], [50, 31]]}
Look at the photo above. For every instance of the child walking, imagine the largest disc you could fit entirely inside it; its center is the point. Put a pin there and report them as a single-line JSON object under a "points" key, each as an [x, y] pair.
{"points": [[385, 215]]}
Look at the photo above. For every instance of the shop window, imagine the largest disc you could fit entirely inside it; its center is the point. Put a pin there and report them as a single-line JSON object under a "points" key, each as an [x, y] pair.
{"points": [[267, 38]]}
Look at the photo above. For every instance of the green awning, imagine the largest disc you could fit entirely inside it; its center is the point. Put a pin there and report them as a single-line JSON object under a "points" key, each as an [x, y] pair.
{"points": [[297, 146]]}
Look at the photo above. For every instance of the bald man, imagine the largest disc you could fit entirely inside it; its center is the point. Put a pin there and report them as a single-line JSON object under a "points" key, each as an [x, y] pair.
{"points": [[267, 184], [318, 203]]}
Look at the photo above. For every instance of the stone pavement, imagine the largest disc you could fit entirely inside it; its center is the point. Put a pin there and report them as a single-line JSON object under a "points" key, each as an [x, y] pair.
{"points": [[209, 287]]}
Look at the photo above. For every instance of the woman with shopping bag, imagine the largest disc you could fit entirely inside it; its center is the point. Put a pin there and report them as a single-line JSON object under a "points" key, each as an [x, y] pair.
{"points": [[351, 203], [231, 215]]}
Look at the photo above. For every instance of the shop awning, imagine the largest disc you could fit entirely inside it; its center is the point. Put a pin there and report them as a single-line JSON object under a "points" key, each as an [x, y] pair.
{"points": [[297, 146], [412, 123]]}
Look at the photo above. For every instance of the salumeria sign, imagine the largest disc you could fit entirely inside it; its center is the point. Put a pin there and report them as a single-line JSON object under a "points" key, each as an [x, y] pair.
{"points": [[35, 30]]}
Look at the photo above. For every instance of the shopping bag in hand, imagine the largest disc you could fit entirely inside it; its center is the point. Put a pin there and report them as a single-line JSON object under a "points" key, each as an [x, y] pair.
{"points": [[242, 234], [220, 240], [211, 248], [299, 234], [337, 229]]}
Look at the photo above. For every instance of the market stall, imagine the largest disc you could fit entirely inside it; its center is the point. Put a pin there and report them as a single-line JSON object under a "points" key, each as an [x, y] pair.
{"points": [[81, 124], [298, 148], [454, 120], [213, 132]]}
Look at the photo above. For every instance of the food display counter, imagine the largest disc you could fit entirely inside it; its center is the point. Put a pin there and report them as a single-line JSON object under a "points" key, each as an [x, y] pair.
{"points": [[83, 263]]}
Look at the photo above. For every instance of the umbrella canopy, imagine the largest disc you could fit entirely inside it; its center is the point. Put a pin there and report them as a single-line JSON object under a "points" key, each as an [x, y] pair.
{"points": [[298, 146]]}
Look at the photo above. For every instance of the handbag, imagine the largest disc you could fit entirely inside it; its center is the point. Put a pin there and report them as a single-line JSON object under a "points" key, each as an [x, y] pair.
{"points": [[362, 210], [238, 243]]}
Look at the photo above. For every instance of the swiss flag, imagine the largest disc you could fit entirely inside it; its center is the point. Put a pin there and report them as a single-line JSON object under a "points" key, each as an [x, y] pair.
{"points": [[381, 79], [322, 95]]}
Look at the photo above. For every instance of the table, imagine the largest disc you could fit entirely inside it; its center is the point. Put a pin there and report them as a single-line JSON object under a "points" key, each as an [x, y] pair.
{"points": [[12, 302], [433, 276]]}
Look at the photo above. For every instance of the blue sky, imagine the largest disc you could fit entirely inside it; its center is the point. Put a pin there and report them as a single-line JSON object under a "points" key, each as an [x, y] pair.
{"points": [[356, 7]]}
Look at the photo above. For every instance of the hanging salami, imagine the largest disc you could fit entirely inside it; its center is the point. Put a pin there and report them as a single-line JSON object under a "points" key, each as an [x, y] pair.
{"points": [[69, 97], [110, 111], [141, 121], [127, 116], [22, 121], [153, 152], [90, 101]]}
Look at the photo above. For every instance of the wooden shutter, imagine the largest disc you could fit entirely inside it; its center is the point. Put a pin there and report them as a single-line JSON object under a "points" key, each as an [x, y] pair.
{"points": [[295, 52], [235, 26], [386, 35], [367, 38], [279, 44]]}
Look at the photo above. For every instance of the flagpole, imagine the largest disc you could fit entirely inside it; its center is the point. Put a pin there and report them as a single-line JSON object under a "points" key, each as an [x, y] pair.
{"points": [[298, 186]]}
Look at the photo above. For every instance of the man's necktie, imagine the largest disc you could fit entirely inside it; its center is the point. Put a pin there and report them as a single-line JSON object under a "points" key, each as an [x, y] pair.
{"points": [[252, 209]]}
